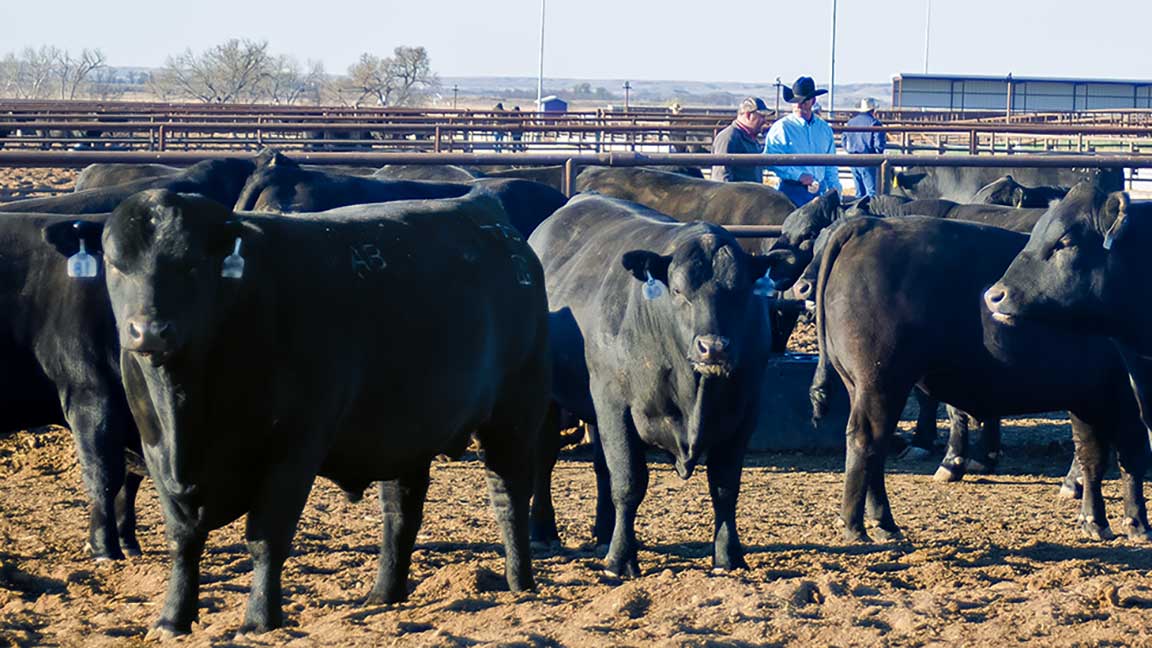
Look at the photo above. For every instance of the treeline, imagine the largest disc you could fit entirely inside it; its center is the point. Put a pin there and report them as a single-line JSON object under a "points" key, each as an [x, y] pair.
{"points": [[236, 71]]}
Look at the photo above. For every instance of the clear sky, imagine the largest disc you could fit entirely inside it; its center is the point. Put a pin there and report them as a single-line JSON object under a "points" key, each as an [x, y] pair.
{"points": [[622, 39]]}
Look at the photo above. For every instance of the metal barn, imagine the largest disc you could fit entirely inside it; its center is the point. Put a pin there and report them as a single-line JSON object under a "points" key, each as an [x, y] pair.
{"points": [[960, 93]]}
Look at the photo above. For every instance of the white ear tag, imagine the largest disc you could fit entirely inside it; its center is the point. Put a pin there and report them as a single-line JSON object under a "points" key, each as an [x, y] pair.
{"points": [[233, 263], [82, 264], [765, 286], [652, 289], [1109, 239]]}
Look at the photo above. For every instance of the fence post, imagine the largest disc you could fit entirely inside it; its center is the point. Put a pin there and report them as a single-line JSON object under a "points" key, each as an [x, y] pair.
{"points": [[973, 142], [436, 141], [883, 180], [162, 137], [569, 184]]}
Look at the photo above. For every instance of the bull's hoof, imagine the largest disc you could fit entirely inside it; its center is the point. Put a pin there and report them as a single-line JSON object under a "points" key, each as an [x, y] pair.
{"points": [[728, 565], [103, 554], [948, 473], [1094, 531], [977, 467], [1071, 492], [546, 545], [381, 597], [165, 631], [889, 535], [622, 569], [1138, 531], [857, 537], [914, 453]]}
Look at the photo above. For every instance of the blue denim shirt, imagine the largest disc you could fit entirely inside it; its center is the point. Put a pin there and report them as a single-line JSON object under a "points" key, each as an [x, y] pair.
{"points": [[864, 142], [791, 135]]}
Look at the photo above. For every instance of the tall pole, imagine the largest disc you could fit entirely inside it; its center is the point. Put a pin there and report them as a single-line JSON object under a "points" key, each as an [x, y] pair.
{"points": [[832, 81], [627, 93], [540, 77], [927, 34]]}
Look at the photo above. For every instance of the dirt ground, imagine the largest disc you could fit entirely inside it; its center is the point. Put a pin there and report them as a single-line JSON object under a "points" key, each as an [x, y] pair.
{"points": [[990, 561]]}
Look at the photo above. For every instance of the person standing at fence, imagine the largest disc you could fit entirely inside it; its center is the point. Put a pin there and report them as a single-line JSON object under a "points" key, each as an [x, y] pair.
{"points": [[803, 133], [517, 132], [741, 137], [498, 135], [860, 142]]}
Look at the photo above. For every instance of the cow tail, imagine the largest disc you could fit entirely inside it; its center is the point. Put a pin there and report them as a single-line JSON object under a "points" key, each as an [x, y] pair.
{"points": [[818, 392]]}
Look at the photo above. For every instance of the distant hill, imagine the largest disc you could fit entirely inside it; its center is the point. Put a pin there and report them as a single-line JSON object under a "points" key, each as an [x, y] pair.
{"points": [[610, 91]]}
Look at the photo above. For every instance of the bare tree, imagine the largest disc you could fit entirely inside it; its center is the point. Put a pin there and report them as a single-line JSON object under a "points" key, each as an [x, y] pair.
{"points": [[230, 72], [400, 80], [72, 73], [35, 69], [288, 82], [414, 79]]}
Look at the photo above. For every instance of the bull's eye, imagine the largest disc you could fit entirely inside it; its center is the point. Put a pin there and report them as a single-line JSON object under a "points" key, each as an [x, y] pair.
{"points": [[1063, 243]]}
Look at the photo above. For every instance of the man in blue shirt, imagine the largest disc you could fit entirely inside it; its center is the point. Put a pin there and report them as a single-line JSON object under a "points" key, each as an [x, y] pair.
{"points": [[800, 133], [865, 142]]}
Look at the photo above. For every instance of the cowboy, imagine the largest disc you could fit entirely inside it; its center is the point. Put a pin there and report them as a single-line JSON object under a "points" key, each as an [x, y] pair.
{"points": [[803, 133], [741, 137], [866, 178]]}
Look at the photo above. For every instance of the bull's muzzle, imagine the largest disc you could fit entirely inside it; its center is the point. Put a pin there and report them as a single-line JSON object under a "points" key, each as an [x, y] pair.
{"points": [[996, 298], [148, 336], [711, 354]]}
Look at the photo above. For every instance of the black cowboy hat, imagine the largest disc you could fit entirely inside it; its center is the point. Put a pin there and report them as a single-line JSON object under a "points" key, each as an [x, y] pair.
{"points": [[801, 91]]}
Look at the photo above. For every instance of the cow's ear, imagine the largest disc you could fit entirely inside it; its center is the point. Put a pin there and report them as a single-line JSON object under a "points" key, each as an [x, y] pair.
{"points": [[909, 180], [270, 157], [642, 263], [66, 236], [1018, 197], [781, 263], [832, 205], [1115, 211]]}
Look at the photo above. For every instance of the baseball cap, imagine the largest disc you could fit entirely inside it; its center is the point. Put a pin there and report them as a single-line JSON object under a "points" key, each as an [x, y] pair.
{"points": [[754, 104]]}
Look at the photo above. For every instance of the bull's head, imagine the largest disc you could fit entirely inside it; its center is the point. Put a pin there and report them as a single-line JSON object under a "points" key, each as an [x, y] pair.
{"points": [[709, 297], [1068, 272], [171, 264], [798, 235]]}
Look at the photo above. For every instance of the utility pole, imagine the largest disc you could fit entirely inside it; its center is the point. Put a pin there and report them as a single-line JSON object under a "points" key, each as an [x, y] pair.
{"points": [[832, 81], [927, 34], [455, 94], [627, 94], [540, 78], [778, 84]]}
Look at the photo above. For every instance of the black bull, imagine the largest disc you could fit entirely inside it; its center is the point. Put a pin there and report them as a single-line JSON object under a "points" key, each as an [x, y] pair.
{"points": [[391, 332], [678, 369], [924, 280], [61, 366]]}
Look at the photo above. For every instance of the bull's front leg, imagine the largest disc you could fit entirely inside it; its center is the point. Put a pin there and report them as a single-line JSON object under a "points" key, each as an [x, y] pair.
{"points": [[98, 435], [725, 467], [628, 476], [402, 505], [1091, 454], [185, 545], [1133, 454], [271, 525]]}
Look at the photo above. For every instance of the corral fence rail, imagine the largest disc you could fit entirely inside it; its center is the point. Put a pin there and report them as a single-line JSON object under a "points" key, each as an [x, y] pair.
{"points": [[572, 164]]}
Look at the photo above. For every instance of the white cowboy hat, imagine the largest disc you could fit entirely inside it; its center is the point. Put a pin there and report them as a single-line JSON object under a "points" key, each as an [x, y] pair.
{"points": [[868, 104]]}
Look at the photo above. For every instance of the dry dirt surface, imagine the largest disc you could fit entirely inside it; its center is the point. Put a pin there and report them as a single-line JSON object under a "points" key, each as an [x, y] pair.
{"points": [[18, 183], [989, 561]]}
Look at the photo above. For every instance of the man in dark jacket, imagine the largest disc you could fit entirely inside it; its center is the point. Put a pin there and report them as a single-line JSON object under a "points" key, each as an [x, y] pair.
{"points": [[740, 137], [865, 142]]}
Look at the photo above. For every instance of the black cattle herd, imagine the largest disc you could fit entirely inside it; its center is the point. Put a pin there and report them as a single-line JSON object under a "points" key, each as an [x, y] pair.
{"points": [[245, 325]]}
